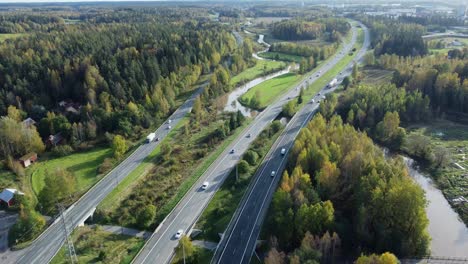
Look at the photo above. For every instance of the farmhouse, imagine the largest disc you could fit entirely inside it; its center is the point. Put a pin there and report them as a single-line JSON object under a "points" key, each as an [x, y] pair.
{"points": [[28, 159], [7, 196]]}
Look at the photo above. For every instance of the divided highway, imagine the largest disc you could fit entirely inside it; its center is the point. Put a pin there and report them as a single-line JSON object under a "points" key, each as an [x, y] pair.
{"points": [[44, 248], [160, 247], [239, 240]]}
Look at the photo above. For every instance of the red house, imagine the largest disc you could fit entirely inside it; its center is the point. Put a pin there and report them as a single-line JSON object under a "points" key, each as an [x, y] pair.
{"points": [[28, 159], [7, 196]]}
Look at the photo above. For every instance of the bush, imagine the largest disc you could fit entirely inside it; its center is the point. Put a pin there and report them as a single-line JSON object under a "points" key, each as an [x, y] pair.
{"points": [[251, 157], [62, 150], [106, 165]]}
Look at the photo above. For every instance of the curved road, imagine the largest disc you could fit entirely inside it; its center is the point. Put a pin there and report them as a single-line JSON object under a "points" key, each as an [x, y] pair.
{"points": [[44, 248], [160, 247], [239, 240]]}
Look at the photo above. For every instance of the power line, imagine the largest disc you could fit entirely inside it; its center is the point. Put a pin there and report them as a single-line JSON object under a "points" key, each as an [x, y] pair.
{"points": [[71, 248]]}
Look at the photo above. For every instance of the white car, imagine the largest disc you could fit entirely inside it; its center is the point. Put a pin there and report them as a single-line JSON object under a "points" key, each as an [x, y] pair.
{"points": [[179, 233], [283, 151], [205, 185], [169, 127], [273, 173], [169, 121]]}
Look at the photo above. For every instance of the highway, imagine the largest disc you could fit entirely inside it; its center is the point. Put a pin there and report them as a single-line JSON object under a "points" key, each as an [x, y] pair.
{"points": [[44, 248], [239, 240], [160, 247]]}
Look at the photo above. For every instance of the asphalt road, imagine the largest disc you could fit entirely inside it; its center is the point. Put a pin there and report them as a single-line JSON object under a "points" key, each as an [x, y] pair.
{"points": [[44, 248], [160, 247], [239, 240]]}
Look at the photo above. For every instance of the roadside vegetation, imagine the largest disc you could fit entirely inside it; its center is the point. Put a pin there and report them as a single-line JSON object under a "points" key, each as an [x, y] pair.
{"points": [[221, 208], [94, 245], [271, 55]]}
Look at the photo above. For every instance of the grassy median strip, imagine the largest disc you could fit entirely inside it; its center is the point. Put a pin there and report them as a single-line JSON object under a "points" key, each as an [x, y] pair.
{"points": [[328, 76], [187, 184], [219, 211]]}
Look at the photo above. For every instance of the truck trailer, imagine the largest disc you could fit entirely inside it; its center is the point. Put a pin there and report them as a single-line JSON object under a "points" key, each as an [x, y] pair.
{"points": [[332, 83], [150, 137]]}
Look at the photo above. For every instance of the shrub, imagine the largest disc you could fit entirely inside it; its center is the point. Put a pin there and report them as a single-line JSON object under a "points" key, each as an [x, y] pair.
{"points": [[62, 150]]}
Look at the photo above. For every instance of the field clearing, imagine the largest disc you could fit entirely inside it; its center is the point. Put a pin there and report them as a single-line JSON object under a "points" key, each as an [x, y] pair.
{"points": [[6, 36], [281, 56], [84, 165], [271, 89], [97, 246], [7, 179], [452, 180], [376, 76], [260, 68]]}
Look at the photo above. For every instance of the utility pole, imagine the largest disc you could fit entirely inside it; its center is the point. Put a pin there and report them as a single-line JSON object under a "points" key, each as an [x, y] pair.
{"points": [[71, 248], [183, 251]]}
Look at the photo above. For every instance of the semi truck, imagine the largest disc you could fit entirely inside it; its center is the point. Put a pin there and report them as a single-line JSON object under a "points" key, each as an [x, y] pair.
{"points": [[332, 83], [150, 137]]}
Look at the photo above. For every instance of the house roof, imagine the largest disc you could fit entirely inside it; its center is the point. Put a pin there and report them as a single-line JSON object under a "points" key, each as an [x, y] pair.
{"points": [[29, 121], [8, 194], [28, 156]]}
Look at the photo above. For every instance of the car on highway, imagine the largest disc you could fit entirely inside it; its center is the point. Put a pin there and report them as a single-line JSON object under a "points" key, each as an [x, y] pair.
{"points": [[273, 173], [169, 121], [283, 151], [249, 135], [169, 127], [179, 233], [157, 139], [232, 151], [205, 185]]}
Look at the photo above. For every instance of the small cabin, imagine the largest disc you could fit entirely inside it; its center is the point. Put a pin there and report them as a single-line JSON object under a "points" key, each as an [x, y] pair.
{"points": [[28, 159], [7, 196]]}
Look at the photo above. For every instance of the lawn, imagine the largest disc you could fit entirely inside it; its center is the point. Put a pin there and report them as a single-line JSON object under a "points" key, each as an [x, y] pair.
{"points": [[270, 90], [451, 180], [215, 218], [84, 166], [97, 246], [204, 256], [280, 56], [6, 36], [260, 68]]}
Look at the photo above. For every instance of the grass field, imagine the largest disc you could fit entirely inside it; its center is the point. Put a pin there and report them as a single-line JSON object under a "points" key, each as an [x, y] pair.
{"points": [[270, 90], [84, 166], [280, 56], [452, 180], [97, 246], [7, 179], [258, 70], [376, 76], [219, 211], [4, 37]]}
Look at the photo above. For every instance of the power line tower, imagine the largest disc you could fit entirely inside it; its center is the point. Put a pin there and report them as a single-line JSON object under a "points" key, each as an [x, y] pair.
{"points": [[71, 248]]}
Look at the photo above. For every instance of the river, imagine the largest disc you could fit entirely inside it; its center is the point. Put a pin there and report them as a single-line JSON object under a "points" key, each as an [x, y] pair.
{"points": [[449, 234]]}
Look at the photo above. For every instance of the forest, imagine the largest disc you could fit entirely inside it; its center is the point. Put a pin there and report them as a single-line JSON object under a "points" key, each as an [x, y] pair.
{"points": [[341, 197], [295, 29]]}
